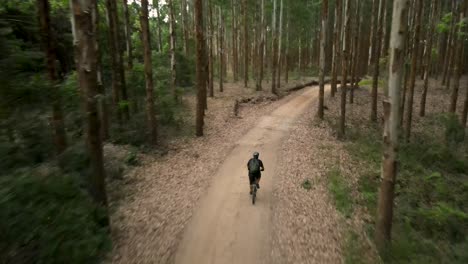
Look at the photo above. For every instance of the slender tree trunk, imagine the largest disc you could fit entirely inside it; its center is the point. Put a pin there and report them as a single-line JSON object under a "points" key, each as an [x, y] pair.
{"points": [[414, 59], [323, 39], [235, 58], [274, 50], [344, 69], [336, 45], [102, 102], [185, 26], [83, 15], [246, 45], [58, 126], [210, 55], [280, 37], [458, 63], [158, 18], [358, 19], [201, 87], [391, 121], [286, 54], [374, 26], [128, 35], [172, 33], [150, 111], [428, 56], [221, 51], [375, 77], [450, 48], [261, 47]]}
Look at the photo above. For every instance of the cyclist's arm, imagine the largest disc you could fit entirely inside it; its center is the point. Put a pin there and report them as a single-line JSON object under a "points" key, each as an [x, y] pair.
{"points": [[262, 168]]}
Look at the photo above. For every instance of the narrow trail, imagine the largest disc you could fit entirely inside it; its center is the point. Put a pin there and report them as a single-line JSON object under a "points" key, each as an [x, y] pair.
{"points": [[226, 227]]}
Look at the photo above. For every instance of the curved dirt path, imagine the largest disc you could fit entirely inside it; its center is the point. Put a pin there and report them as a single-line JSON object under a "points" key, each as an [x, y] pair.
{"points": [[226, 227]]}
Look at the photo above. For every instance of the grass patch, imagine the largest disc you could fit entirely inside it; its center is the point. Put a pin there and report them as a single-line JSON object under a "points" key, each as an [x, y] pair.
{"points": [[431, 193], [307, 184], [341, 193]]}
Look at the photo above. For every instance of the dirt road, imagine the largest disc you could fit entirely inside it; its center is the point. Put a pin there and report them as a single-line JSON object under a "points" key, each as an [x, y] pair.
{"points": [[226, 227]]}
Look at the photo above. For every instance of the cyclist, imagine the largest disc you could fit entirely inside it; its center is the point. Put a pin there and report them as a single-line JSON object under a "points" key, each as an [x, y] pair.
{"points": [[255, 166]]}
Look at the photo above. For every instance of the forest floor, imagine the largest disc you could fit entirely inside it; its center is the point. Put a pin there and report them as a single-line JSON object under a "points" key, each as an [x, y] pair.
{"points": [[153, 202]]}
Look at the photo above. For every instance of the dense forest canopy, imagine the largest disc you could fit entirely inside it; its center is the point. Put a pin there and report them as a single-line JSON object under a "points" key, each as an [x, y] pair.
{"points": [[77, 75]]}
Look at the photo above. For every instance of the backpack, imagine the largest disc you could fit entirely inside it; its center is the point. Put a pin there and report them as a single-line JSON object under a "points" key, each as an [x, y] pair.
{"points": [[254, 166]]}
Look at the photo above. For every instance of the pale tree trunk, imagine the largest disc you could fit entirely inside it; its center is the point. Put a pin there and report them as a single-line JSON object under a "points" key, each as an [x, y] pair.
{"points": [[158, 19], [235, 57], [128, 35], [414, 69], [323, 39], [274, 50], [391, 124], [286, 54], [221, 51], [458, 62], [172, 34], [358, 22], [261, 47], [374, 26], [183, 4], [375, 77], [450, 48], [428, 56], [344, 70], [246, 45], [58, 126], [280, 37], [201, 82], [83, 15], [150, 111], [336, 45]]}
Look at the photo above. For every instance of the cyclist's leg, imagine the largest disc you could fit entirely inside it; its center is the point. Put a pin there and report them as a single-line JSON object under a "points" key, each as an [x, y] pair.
{"points": [[257, 181], [251, 181]]}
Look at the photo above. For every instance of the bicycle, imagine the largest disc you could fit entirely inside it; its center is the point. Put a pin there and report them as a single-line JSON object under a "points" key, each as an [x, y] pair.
{"points": [[254, 192]]}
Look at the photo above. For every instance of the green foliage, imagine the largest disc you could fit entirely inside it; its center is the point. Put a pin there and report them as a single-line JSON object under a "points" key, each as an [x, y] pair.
{"points": [[341, 192], [132, 159], [47, 218], [431, 194], [444, 25]]}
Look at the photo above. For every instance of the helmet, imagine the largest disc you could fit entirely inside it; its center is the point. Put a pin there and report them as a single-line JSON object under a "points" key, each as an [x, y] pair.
{"points": [[256, 154]]}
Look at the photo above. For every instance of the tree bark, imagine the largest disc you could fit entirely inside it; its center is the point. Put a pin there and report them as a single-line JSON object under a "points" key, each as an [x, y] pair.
{"points": [[128, 35], [150, 111], [376, 50], [221, 51], [336, 46], [428, 56], [354, 64], [235, 57], [185, 26], [58, 126], [83, 15], [158, 18], [261, 48], [391, 124], [414, 68], [344, 69], [172, 33], [280, 37], [201, 88], [323, 39], [211, 58], [274, 50], [458, 63], [246, 45], [374, 26]]}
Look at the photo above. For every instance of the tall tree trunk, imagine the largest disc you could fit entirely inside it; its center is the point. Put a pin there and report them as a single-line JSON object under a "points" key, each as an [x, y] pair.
{"points": [[221, 51], [201, 87], [286, 54], [183, 4], [458, 63], [58, 126], [374, 26], [336, 45], [377, 45], [102, 102], [128, 35], [113, 52], [172, 34], [344, 69], [414, 68], [391, 121], [83, 15], [235, 57], [428, 56], [323, 39], [450, 47], [246, 45], [158, 18], [261, 47], [150, 111], [280, 37], [355, 56], [211, 59], [274, 50]]}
